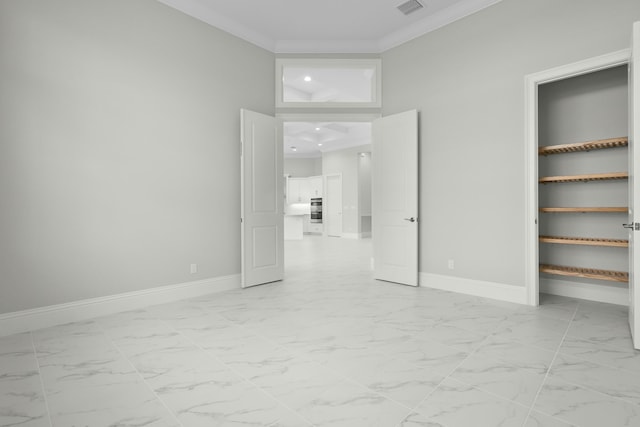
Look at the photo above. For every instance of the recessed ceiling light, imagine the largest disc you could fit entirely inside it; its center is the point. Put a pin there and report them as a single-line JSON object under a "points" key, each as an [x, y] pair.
{"points": [[320, 144], [307, 78], [317, 128]]}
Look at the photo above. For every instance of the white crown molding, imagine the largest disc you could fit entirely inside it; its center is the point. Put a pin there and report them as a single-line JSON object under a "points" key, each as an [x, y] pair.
{"points": [[42, 317], [197, 10], [433, 22], [327, 46]]}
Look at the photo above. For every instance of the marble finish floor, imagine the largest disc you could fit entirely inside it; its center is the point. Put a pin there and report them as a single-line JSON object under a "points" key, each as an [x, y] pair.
{"points": [[329, 346]]}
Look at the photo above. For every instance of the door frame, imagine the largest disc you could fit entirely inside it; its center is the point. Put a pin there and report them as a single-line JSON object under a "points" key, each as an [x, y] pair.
{"points": [[531, 83], [326, 117]]}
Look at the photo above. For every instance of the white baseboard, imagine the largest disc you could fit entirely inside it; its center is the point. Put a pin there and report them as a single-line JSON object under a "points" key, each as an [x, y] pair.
{"points": [[38, 318], [479, 288], [356, 235], [588, 291], [350, 236]]}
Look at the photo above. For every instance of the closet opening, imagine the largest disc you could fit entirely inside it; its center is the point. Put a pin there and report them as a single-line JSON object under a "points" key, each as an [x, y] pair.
{"points": [[578, 196]]}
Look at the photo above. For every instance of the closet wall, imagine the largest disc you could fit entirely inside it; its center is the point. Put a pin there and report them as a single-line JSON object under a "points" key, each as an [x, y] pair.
{"points": [[584, 108]]}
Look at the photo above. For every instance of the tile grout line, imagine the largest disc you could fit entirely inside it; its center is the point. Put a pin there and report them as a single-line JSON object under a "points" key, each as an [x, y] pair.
{"points": [[344, 377], [44, 392], [546, 376], [164, 405], [415, 408], [230, 368], [302, 354]]}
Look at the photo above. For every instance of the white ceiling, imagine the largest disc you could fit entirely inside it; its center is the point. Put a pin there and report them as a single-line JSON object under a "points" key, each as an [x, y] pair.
{"points": [[326, 26], [313, 139]]}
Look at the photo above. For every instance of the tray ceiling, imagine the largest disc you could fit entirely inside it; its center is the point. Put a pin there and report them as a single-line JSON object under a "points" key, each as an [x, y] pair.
{"points": [[326, 26]]}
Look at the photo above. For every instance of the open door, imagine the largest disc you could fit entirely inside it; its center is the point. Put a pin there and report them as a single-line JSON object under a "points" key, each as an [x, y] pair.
{"points": [[634, 183], [262, 200], [395, 198]]}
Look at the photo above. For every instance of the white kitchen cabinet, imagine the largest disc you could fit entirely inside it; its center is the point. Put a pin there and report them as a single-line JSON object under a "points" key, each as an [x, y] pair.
{"points": [[315, 186], [297, 190], [315, 228]]}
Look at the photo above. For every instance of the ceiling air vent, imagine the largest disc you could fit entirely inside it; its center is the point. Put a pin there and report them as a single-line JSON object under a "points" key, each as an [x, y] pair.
{"points": [[410, 7]]}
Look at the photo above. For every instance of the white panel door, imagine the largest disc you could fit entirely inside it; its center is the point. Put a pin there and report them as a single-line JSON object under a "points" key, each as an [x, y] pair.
{"points": [[634, 184], [334, 206], [395, 198], [262, 200]]}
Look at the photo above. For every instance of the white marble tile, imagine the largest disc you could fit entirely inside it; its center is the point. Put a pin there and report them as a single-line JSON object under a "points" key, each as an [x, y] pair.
{"points": [[427, 354], [329, 346], [411, 320], [131, 404], [515, 382], [11, 345], [22, 400], [21, 395], [600, 326], [536, 419], [67, 331], [140, 342], [194, 322], [610, 381], [351, 405], [296, 381], [226, 402], [418, 420], [455, 404], [396, 379], [532, 329], [483, 321], [516, 353], [585, 408], [16, 356], [236, 344], [452, 336], [616, 357], [62, 377], [182, 366], [553, 306]]}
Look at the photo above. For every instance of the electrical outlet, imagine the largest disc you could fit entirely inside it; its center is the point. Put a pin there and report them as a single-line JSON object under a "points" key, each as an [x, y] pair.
{"points": [[194, 268], [450, 264]]}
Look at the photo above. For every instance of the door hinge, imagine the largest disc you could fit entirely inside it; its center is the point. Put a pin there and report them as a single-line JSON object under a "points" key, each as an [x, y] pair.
{"points": [[634, 226]]}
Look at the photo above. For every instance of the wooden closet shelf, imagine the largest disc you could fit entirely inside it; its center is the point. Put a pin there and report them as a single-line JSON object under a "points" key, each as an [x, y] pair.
{"points": [[623, 209], [584, 146], [584, 178], [586, 241], [589, 273]]}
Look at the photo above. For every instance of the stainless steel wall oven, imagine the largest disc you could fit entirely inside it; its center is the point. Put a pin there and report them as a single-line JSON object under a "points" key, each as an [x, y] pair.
{"points": [[316, 210]]}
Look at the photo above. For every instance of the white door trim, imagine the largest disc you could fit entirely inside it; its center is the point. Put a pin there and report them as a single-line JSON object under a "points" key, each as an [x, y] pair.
{"points": [[327, 117], [531, 83]]}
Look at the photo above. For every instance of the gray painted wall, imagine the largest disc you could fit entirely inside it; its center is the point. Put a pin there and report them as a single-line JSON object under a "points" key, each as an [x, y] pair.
{"points": [[302, 167], [346, 162], [467, 81], [119, 147]]}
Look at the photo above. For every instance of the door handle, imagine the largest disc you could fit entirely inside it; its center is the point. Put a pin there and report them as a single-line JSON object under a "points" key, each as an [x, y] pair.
{"points": [[412, 219], [633, 226]]}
